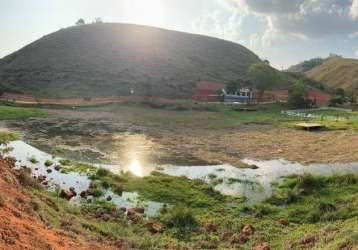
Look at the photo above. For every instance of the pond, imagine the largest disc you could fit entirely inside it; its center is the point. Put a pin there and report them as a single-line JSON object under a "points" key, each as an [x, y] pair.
{"points": [[35, 159], [254, 184]]}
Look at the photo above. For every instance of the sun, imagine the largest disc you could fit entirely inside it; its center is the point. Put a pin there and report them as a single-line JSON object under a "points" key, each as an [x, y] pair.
{"points": [[146, 12]]}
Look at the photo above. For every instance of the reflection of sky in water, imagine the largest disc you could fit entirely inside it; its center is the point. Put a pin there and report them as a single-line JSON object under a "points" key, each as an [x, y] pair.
{"points": [[255, 184], [132, 152], [24, 152]]}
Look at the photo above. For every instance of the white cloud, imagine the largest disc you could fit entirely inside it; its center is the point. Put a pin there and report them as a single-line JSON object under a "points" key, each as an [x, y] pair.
{"points": [[219, 24], [303, 19], [354, 9]]}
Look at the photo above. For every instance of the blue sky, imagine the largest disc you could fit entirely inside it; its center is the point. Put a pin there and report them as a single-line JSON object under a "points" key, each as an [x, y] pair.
{"points": [[283, 31]]}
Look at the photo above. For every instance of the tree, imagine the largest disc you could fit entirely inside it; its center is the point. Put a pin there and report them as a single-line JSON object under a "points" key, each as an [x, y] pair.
{"points": [[98, 20], [339, 97], [298, 95], [80, 21], [267, 62], [233, 86], [263, 77]]}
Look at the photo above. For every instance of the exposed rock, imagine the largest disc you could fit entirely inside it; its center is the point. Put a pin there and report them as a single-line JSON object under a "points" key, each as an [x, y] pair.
{"points": [[239, 239], [227, 235], [106, 217], [41, 178], [154, 228], [262, 246], [243, 238], [83, 194], [109, 198], [248, 230], [119, 190], [68, 194], [133, 215], [57, 167], [49, 171], [210, 227], [308, 241], [17, 214], [131, 212], [139, 210], [283, 222]]}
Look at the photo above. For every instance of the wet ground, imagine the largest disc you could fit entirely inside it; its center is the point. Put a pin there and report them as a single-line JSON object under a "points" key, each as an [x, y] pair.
{"points": [[254, 184], [102, 135], [36, 159], [119, 143]]}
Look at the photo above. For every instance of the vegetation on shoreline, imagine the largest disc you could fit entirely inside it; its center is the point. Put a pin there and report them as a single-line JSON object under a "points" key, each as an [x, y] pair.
{"points": [[17, 113], [333, 119], [197, 115], [307, 212], [6, 137]]}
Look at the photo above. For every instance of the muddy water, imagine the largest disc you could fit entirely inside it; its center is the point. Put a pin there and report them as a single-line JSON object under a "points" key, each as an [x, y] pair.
{"points": [[98, 141]]}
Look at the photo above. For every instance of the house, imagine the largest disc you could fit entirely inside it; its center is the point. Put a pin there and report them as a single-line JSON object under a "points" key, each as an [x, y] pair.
{"points": [[318, 97], [208, 91], [243, 95]]}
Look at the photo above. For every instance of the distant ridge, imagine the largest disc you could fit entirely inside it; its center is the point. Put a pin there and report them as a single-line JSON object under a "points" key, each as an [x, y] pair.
{"points": [[121, 59], [337, 72]]}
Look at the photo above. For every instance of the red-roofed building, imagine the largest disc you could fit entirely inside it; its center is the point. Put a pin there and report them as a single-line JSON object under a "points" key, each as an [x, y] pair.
{"points": [[208, 91], [320, 98]]}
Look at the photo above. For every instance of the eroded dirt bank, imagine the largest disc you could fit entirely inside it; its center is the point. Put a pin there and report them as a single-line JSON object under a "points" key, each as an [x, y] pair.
{"points": [[20, 225]]}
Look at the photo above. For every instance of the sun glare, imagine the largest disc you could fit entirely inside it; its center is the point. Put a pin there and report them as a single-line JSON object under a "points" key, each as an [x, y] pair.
{"points": [[136, 168], [147, 12]]}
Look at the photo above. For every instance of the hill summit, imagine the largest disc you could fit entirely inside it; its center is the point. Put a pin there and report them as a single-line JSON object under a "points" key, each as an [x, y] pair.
{"points": [[110, 59]]}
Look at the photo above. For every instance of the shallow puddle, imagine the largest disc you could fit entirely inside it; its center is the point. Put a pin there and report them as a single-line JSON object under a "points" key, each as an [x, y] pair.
{"points": [[26, 156], [254, 184]]}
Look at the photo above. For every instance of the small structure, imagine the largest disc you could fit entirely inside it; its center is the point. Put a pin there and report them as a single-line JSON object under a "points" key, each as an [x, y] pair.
{"points": [[208, 91], [243, 95], [310, 126]]}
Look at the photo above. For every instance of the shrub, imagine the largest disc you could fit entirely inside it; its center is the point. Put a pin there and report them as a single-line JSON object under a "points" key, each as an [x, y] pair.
{"points": [[65, 162], [6, 137], [27, 181], [102, 173], [48, 163], [33, 160], [181, 220]]}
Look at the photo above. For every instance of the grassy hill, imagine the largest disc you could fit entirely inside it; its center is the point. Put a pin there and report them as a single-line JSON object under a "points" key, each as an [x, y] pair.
{"points": [[306, 65], [337, 72], [113, 59]]}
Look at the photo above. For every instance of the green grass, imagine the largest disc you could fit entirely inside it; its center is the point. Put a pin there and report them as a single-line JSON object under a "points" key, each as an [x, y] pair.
{"points": [[33, 160], [331, 118], [164, 188], [334, 112], [48, 163], [6, 137], [320, 207], [209, 116], [16, 113]]}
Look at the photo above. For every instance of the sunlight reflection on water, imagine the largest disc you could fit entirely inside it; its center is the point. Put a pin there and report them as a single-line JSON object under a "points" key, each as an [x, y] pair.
{"points": [[136, 168]]}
